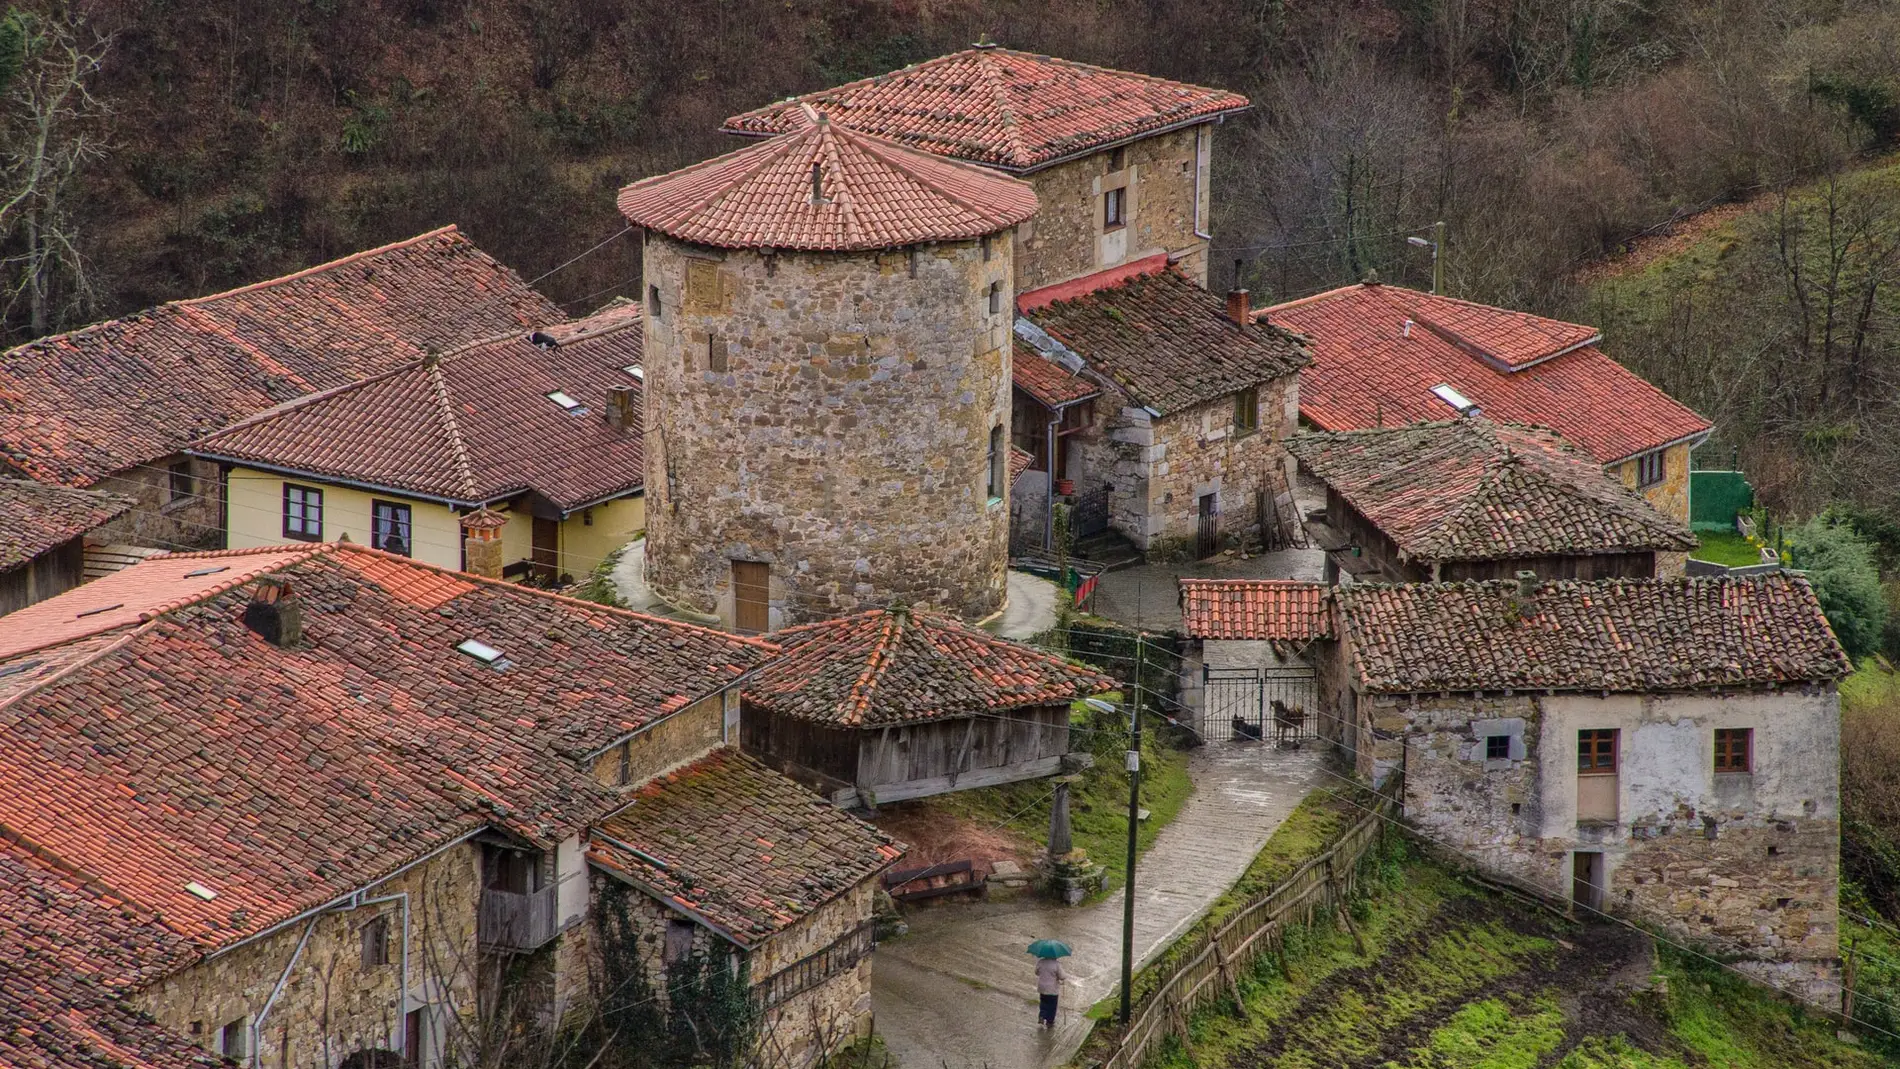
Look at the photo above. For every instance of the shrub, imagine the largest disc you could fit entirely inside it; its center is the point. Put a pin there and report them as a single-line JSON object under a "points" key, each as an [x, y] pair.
{"points": [[1840, 564]]}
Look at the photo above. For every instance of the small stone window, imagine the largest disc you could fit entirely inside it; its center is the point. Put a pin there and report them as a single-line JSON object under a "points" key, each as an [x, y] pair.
{"points": [[1114, 209], [179, 484], [716, 354], [376, 942], [987, 251], [1650, 469], [1734, 749], [679, 941], [653, 301], [624, 777], [1497, 748], [1247, 411], [996, 298], [1117, 159], [997, 460], [231, 1039]]}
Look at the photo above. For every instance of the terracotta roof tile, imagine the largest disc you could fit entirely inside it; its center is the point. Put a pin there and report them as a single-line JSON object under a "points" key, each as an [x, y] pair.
{"points": [[1471, 489], [1612, 635], [1256, 609], [35, 518], [1047, 381], [1367, 372], [76, 407], [69, 950], [876, 194], [904, 666], [1019, 462], [1011, 110], [187, 748], [1167, 341], [738, 846], [473, 426]]}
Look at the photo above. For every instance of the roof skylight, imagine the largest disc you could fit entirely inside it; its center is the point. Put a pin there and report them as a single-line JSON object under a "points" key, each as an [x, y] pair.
{"points": [[567, 403], [484, 653], [1465, 405], [201, 890], [636, 371]]}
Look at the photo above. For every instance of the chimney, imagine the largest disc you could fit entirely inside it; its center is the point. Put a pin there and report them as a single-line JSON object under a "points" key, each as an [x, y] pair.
{"points": [[623, 409], [1526, 584], [481, 540], [1238, 309], [275, 612]]}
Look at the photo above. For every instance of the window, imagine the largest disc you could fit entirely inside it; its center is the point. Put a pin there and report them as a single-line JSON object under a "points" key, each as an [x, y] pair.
{"points": [[625, 774], [303, 513], [679, 941], [1734, 749], [1497, 747], [180, 485], [997, 459], [1117, 159], [985, 242], [568, 404], [1115, 208], [376, 942], [231, 1039], [716, 354], [1650, 469], [653, 301], [1247, 411], [996, 298], [389, 527], [1596, 751]]}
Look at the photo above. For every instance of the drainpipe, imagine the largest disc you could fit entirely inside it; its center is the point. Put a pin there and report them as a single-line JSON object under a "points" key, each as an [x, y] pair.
{"points": [[1049, 503], [402, 1018], [257, 1023]]}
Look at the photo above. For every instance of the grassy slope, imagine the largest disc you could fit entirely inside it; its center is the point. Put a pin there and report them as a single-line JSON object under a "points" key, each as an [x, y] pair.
{"points": [[1098, 806], [1461, 978]]}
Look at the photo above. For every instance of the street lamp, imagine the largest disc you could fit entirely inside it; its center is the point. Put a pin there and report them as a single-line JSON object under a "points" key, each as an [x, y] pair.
{"points": [[1436, 243]]}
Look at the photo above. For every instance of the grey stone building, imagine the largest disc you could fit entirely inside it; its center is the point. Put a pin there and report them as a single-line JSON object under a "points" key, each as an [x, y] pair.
{"points": [[827, 379]]}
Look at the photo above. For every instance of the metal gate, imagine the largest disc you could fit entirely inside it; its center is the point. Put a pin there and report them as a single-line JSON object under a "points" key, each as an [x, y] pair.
{"points": [[1207, 533], [1089, 517], [1275, 705]]}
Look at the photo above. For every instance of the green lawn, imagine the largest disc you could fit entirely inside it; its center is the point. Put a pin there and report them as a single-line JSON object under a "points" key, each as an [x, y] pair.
{"points": [[1457, 977], [1725, 548]]}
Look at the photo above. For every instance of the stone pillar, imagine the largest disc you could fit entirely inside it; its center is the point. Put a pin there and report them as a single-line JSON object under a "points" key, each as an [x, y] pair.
{"points": [[1061, 841], [481, 542]]}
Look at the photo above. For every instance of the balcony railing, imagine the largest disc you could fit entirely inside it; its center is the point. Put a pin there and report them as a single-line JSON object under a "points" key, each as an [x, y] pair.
{"points": [[518, 922]]}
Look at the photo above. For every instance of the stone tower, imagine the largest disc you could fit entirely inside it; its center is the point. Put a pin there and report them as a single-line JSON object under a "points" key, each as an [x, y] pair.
{"points": [[827, 378]]}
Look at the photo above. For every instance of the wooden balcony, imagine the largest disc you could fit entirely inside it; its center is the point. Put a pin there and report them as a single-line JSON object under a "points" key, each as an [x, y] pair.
{"points": [[518, 922]]}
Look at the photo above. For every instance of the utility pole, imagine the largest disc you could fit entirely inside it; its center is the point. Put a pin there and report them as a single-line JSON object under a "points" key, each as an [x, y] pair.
{"points": [[1437, 244], [1134, 821]]}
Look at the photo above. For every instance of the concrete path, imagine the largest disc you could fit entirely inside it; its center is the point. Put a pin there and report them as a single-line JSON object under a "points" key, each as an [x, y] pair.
{"points": [[959, 990], [1030, 610]]}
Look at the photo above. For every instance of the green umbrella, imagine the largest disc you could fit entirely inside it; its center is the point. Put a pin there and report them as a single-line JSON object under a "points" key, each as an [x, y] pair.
{"points": [[1050, 948]]}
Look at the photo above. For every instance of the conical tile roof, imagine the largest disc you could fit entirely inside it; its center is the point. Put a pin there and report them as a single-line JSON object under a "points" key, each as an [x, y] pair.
{"points": [[871, 194]]}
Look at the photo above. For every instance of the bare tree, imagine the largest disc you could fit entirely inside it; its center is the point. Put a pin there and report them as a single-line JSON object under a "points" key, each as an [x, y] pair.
{"points": [[52, 131]]}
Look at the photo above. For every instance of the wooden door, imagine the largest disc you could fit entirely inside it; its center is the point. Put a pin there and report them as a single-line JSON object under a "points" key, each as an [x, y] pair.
{"points": [[751, 596], [1586, 879], [1207, 535], [546, 548]]}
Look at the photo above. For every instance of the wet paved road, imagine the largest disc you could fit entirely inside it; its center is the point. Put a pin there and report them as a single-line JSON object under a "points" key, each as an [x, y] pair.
{"points": [[959, 990]]}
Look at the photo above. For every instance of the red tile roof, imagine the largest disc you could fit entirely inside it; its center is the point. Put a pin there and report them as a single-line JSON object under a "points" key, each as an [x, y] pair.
{"points": [[876, 194], [473, 426], [1471, 489], [1047, 381], [69, 949], [1011, 110], [1256, 609], [1019, 462], [76, 407], [1167, 342], [739, 847], [1367, 372], [904, 666], [180, 746], [1625, 635], [35, 517]]}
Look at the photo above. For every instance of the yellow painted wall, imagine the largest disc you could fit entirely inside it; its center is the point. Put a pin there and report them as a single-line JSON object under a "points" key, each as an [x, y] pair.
{"points": [[1671, 496], [257, 516], [257, 519]]}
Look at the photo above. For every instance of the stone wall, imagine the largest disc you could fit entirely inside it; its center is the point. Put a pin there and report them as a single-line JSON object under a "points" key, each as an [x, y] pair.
{"points": [[1744, 861], [1067, 239], [831, 416], [669, 743], [1157, 469], [1671, 496], [192, 520], [332, 1003]]}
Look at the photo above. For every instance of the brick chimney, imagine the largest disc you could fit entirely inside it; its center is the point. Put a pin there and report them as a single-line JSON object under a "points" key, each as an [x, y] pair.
{"points": [[1238, 309], [623, 409], [275, 612], [481, 542]]}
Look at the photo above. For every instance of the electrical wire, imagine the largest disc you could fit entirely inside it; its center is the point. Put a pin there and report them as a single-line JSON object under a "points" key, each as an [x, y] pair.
{"points": [[594, 249]]}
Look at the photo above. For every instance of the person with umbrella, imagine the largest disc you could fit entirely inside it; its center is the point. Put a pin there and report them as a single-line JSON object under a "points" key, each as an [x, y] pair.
{"points": [[1049, 976]]}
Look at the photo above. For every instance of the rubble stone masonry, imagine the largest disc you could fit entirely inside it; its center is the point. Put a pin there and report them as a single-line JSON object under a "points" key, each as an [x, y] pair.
{"points": [[332, 1003], [1745, 861], [1167, 194], [1158, 468], [830, 415]]}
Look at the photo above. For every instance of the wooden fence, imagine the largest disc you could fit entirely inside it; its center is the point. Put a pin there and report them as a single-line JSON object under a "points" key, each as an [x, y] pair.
{"points": [[1213, 971]]}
